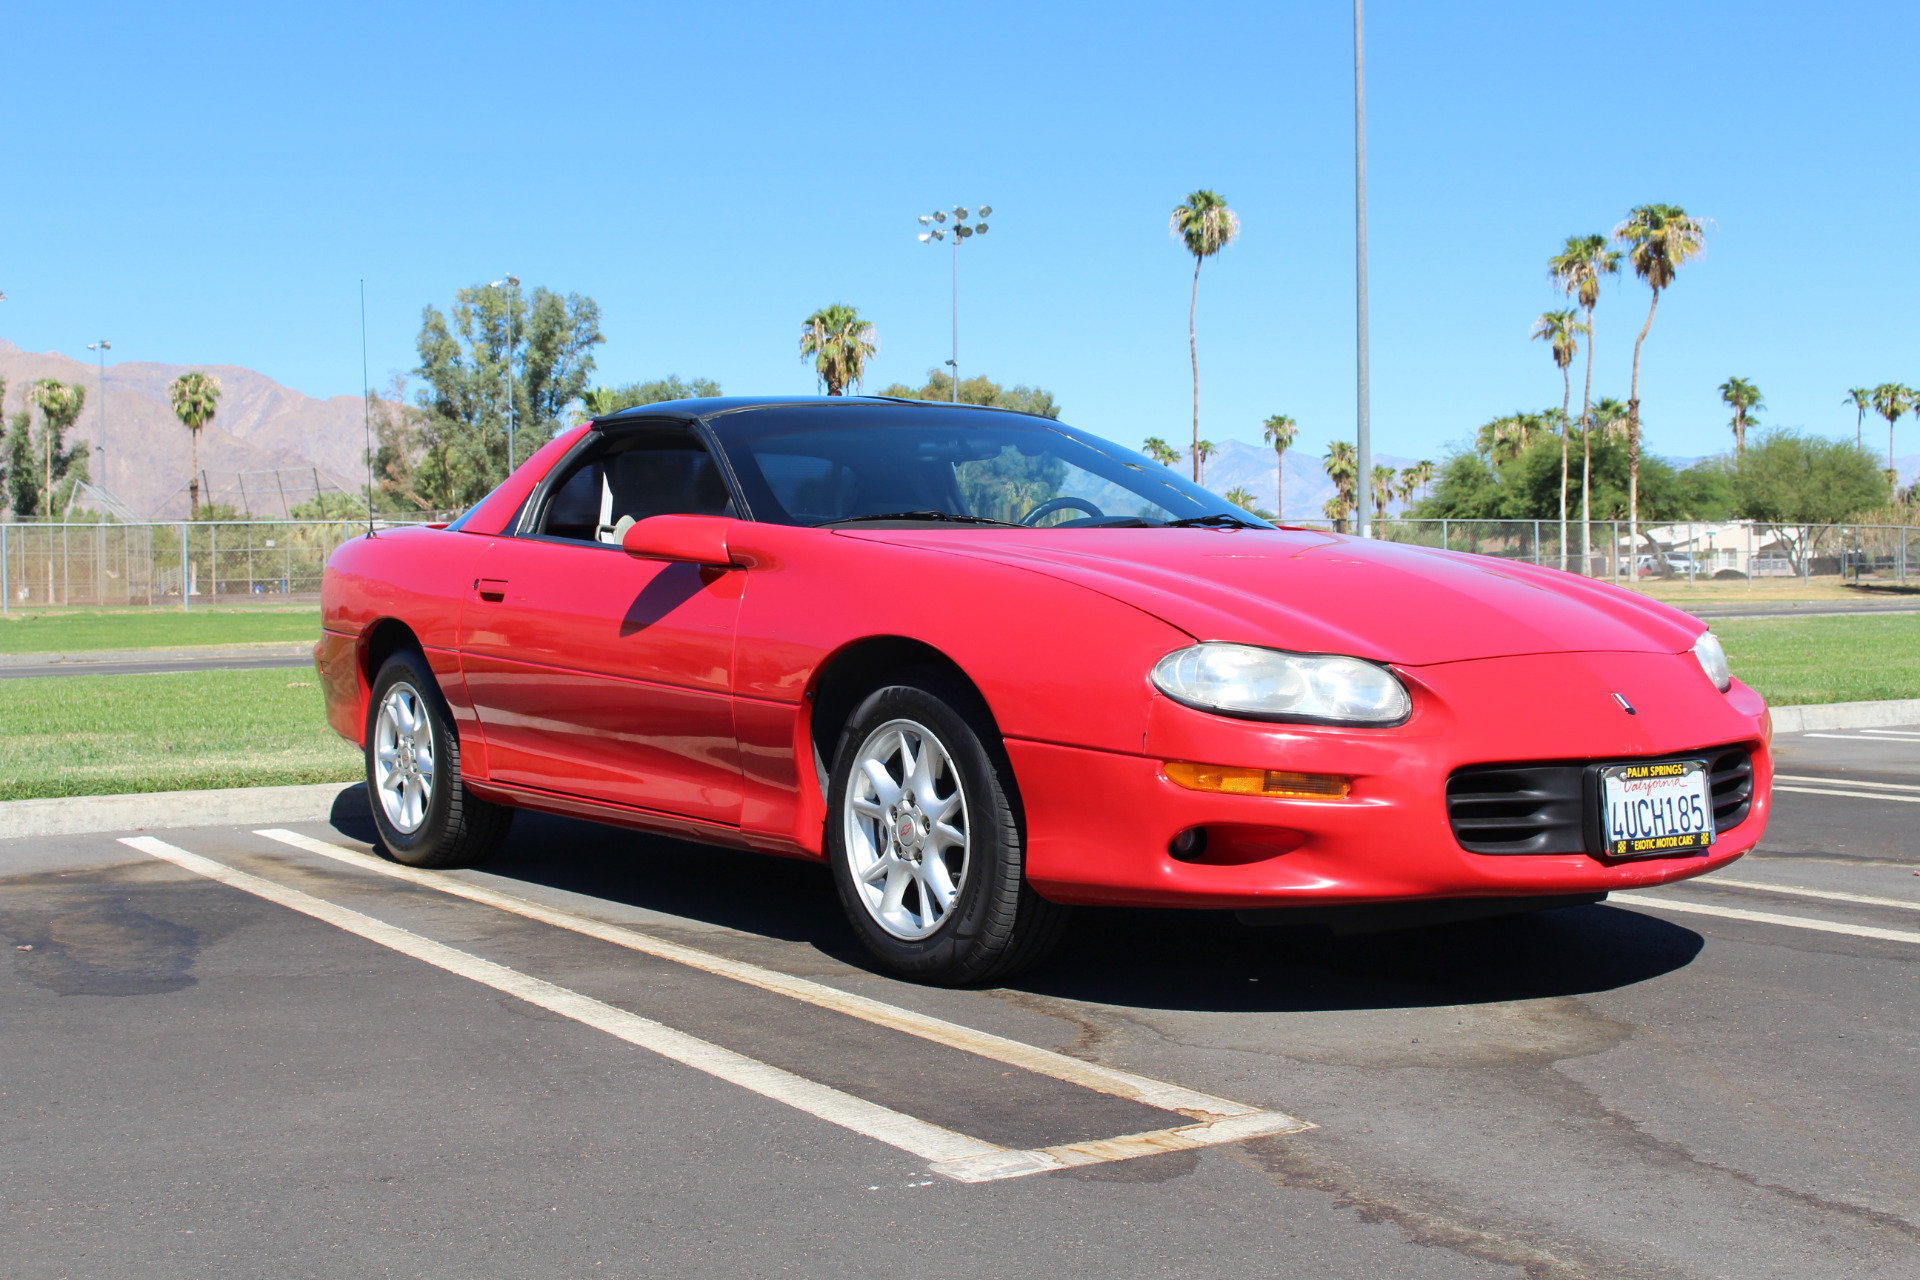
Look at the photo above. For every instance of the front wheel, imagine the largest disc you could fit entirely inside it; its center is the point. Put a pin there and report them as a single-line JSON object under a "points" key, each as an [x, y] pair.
{"points": [[928, 851], [424, 814]]}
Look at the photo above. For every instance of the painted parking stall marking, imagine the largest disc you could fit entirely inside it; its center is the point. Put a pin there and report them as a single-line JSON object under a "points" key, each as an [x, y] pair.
{"points": [[1213, 1121]]}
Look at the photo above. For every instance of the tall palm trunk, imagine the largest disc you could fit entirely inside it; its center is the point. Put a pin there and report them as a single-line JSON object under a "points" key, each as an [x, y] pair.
{"points": [[1193, 350], [1566, 404], [193, 481], [1279, 477], [1586, 459], [1633, 440]]}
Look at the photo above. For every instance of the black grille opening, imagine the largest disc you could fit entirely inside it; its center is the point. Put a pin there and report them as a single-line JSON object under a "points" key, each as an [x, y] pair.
{"points": [[1544, 808], [1518, 809]]}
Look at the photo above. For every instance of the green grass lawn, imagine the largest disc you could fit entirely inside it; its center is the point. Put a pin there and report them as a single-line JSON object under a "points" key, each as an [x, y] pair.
{"points": [[69, 631], [181, 731], [1847, 659]]}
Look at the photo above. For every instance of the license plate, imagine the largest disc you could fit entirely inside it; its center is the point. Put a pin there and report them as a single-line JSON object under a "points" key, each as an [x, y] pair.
{"points": [[1650, 809]]}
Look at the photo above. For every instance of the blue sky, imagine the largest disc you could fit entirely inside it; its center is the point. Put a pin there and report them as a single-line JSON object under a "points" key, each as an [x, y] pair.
{"points": [[209, 185]]}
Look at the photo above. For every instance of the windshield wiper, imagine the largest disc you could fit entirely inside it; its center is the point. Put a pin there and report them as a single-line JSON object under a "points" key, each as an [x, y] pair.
{"points": [[1219, 520], [946, 517]]}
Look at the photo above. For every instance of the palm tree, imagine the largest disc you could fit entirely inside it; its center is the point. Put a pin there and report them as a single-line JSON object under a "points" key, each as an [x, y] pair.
{"points": [[1561, 332], [1279, 431], [1890, 400], [1609, 418], [194, 395], [1745, 400], [1577, 269], [1343, 468], [840, 343], [1202, 450], [1240, 496], [1206, 226], [1382, 488], [1160, 451], [59, 406], [1504, 438], [1862, 400], [1660, 239], [1415, 478]]}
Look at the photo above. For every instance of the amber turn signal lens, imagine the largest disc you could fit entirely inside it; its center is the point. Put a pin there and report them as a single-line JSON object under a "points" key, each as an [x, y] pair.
{"points": [[1259, 782]]}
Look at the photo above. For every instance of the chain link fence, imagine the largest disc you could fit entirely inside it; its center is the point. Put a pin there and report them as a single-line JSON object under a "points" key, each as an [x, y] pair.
{"points": [[232, 562], [177, 565]]}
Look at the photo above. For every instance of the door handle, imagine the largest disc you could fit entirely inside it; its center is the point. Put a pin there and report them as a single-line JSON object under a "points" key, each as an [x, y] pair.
{"points": [[492, 590]]}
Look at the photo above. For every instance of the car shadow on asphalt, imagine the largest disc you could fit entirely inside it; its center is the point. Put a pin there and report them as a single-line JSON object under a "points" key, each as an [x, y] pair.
{"points": [[1187, 960]]}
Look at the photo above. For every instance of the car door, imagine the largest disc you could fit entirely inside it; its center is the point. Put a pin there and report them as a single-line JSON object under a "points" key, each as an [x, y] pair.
{"points": [[596, 674]]}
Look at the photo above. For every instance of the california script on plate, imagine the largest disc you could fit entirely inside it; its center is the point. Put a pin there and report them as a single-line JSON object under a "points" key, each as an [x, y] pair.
{"points": [[1648, 809]]}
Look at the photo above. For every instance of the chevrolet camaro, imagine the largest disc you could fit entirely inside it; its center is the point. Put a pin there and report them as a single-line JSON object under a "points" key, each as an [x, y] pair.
{"points": [[989, 667]]}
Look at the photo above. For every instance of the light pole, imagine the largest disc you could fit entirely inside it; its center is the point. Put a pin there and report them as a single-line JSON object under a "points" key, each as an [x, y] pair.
{"points": [[1363, 411], [102, 346], [936, 229], [512, 283]]}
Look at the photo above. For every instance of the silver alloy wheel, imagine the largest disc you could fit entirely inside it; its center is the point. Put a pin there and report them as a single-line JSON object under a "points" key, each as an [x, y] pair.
{"points": [[403, 757], [906, 829]]}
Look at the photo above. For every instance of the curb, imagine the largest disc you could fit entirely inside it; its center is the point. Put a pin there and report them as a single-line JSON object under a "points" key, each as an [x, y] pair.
{"points": [[234, 806], [271, 649], [1846, 715]]}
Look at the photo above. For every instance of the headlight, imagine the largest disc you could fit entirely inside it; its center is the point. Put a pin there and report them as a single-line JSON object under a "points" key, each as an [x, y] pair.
{"points": [[1713, 660], [1241, 680]]}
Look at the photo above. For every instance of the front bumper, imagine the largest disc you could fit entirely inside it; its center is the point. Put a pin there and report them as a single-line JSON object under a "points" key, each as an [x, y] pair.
{"points": [[1099, 823]]}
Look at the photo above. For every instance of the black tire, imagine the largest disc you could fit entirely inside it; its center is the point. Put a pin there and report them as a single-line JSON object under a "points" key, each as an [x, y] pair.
{"points": [[997, 924], [457, 828]]}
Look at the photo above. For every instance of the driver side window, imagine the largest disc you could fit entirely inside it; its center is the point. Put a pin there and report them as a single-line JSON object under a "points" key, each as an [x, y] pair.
{"points": [[633, 475]]}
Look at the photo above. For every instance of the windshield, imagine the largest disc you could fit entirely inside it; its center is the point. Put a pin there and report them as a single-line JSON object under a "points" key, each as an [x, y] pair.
{"points": [[828, 464]]}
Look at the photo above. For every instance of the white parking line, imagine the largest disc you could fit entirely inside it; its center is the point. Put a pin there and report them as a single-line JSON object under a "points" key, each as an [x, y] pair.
{"points": [[1861, 736], [1088, 1075], [1847, 782], [1904, 904], [951, 1154], [1766, 917], [1893, 733], [1852, 795]]}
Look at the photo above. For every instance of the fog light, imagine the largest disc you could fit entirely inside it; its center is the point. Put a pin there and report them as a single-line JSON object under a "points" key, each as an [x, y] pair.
{"points": [[1189, 846], [1259, 782]]}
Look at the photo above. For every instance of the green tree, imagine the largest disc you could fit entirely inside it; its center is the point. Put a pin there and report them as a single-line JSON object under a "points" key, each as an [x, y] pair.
{"points": [[1890, 400], [1202, 450], [978, 390], [60, 468], [473, 375], [839, 343], [1861, 398], [1577, 270], [1205, 225], [1279, 431], [1240, 496], [1660, 239], [601, 401], [1794, 479], [23, 478], [1342, 465], [194, 396], [1561, 332], [1160, 451], [1745, 400]]}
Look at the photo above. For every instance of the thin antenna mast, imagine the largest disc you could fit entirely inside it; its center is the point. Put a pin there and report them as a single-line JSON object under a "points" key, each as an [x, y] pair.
{"points": [[366, 410]]}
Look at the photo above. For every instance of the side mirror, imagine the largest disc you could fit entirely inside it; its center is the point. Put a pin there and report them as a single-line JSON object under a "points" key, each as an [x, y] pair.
{"points": [[684, 539]]}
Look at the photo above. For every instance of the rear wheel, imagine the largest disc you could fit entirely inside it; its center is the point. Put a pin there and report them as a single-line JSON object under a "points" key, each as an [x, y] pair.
{"points": [[927, 847], [424, 813]]}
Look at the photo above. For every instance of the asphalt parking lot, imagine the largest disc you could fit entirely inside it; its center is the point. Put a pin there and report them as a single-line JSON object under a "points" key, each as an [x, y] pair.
{"points": [[236, 1053]]}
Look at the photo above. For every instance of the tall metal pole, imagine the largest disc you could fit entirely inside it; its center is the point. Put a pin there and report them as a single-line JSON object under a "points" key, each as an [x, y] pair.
{"points": [[954, 363], [1363, 483], [366, 423], [102, 346]]}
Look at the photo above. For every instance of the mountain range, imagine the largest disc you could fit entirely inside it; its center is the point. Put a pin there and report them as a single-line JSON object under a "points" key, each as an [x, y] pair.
{"points": [[265, 451]]}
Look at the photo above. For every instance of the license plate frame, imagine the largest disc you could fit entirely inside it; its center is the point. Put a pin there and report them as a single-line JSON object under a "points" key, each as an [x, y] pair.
{"points": [[1667, 828]]}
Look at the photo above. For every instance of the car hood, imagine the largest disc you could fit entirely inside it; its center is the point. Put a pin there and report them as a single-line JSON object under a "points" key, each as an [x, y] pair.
{"points": [[1326, 593]]}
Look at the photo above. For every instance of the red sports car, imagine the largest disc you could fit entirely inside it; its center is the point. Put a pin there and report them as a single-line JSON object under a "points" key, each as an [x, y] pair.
{"points": [[989, 666]]}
